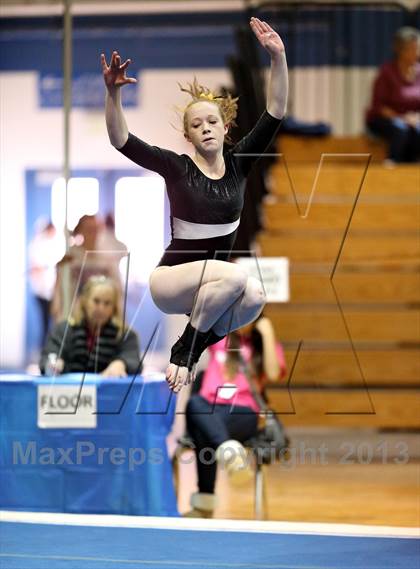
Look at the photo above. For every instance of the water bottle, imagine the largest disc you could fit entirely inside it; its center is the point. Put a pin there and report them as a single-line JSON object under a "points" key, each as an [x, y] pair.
{"points": [[50, 367]]}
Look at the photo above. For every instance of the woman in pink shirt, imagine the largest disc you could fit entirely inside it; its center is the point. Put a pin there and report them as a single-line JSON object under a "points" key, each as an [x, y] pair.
{"points": [[224, 413], [394, 113]]}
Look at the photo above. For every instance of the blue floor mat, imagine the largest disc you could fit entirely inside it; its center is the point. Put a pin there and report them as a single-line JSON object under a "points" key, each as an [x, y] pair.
{"points": [[44, 546]]}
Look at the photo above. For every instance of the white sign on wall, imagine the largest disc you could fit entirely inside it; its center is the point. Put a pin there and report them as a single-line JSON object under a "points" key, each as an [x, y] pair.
{"points": [[274, 272], [66, 406]]}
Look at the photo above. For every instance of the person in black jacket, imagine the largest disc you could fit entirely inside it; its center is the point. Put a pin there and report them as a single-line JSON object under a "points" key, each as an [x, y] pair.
{"points": [[94, 339]]}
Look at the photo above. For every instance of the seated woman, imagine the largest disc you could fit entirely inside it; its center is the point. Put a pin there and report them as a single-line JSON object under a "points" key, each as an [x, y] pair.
{"points": [[93, 340], [394, 113], [224, 413]]}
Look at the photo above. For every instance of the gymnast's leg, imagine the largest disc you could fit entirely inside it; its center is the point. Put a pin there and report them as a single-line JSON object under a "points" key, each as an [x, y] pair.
{"points": [[206, 289], [245, 309]]}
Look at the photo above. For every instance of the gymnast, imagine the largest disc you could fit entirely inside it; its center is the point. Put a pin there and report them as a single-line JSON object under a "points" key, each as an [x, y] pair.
{"points": [[206, 194]]}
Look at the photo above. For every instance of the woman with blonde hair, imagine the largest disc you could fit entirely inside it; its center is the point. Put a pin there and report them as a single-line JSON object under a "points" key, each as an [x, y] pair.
{"points": [[206, 194], [94, 339]]}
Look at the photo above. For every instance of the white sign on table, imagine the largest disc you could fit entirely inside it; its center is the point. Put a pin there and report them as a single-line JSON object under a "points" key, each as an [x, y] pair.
{"points": [[67, 406]]}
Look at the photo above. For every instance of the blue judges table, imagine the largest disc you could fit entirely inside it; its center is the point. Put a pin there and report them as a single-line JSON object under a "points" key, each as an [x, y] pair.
{"points": [[87, 444]]}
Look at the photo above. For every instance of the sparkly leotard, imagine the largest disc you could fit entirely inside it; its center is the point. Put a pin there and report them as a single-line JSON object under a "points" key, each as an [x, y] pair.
{"points": [[205, 213]]}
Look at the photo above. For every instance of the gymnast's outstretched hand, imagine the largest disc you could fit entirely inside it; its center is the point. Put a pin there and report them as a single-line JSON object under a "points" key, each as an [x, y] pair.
{"points": [[115, 73], [268, 38]]}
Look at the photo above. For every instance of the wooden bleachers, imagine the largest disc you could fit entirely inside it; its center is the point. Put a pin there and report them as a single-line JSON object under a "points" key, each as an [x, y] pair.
{"points": [[309, 148], [359, 334]]}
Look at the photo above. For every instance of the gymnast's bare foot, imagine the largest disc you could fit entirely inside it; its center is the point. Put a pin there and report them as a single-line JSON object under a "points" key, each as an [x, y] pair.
{"points": [[178, 376]]}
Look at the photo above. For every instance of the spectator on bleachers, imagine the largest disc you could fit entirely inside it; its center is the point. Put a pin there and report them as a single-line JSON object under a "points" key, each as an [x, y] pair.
{"points": [[224, 413], [94, 339], [83, 259], [394, 113]]}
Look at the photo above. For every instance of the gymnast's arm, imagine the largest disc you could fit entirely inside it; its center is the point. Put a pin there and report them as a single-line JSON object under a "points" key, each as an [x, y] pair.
{"points": [[114, 78], [115, 120], [164, 162], [278, 86], [257, 141]]}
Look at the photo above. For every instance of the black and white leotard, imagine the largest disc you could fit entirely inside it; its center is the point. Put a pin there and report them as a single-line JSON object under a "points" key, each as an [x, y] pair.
{"points": [[205, 213]]}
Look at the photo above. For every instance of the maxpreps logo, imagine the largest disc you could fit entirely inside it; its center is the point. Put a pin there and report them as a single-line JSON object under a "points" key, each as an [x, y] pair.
{"points": [[66, 406]]}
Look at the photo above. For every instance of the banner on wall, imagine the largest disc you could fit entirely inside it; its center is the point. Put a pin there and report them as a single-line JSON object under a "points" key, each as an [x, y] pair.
{"points": [[88, 91]]}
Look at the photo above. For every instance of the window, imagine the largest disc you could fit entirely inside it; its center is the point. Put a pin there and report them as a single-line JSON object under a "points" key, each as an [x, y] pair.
{"points": [[139, 222], [83, 199]]}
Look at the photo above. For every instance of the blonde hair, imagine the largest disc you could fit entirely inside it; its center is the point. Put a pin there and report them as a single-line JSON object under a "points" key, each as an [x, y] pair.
{"points": [[227, 105], [79, 313]]}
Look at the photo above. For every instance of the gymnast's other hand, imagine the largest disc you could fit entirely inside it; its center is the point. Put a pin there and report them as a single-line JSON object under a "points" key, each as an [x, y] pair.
{"points": [[268, 38], [115, 73]]}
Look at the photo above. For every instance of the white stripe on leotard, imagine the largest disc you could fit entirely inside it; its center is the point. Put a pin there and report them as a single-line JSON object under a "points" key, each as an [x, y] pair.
{"points": [[187, 230]]}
